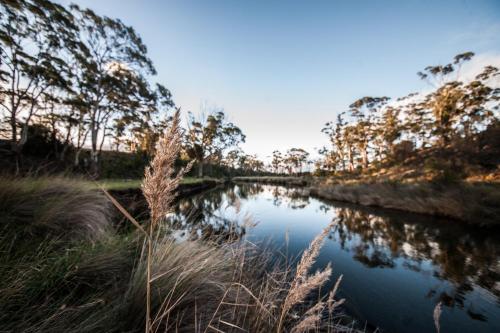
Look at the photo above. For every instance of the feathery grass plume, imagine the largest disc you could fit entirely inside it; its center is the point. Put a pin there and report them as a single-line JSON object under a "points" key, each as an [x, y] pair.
{"points": [[437, 315], [303, 284], [160, 179], [312, 318], [159, 186], [331, 303]]}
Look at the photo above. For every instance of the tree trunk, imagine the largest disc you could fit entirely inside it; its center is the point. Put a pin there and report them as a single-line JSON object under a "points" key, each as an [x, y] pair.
{"points": [[62, 155], [200, 169], [342, 159], [77, 158], [365, 158], [94, 154], [94, 163], [351, 159], [13, 125]]}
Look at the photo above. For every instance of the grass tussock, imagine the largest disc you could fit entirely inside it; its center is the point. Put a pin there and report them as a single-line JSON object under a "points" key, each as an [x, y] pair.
{"points": [[53, 206]]}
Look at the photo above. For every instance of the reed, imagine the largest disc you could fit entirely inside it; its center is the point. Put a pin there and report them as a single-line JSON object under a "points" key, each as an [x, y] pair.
{"points": [[159, 185], [303, 284]]}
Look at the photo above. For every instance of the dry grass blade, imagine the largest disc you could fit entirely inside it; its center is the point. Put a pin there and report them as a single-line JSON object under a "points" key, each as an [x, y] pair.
{"points": [[437, 315], [309, 256], [331, 297], [122, 210]]}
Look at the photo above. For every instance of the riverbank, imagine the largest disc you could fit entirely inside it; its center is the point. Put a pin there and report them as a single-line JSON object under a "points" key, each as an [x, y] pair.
{"points": [[285, 181], [188, 186], [472, 202], [129, 184]]}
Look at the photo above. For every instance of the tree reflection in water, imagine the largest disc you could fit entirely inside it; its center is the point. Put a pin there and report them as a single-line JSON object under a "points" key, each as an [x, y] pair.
{"points": [[293, 198], [463, 256], [202, 217]]}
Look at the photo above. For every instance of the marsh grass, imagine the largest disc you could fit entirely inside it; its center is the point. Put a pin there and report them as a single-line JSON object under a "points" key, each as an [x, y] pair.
{"points": [[159, 185], [53, 206]]}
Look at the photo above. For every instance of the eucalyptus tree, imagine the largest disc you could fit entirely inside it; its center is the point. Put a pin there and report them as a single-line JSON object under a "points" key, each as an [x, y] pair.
{"points": [[33, 34], [416, 120], [364, 110], [277, 161], [334, 131], [143, 127], [296, 158], [58, 116], [389, 130], [252, 163], [349, 137], [208, 138], [444, 102], [480, 102], [233, 158], [329, 161], [111, 71]]}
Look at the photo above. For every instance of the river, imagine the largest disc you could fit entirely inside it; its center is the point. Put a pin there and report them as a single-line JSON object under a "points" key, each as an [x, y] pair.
{"points": [[396, 266]]}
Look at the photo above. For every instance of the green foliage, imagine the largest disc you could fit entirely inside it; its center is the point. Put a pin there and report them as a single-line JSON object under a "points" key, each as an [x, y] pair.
{"points": [[207, 139], [80, 73]]}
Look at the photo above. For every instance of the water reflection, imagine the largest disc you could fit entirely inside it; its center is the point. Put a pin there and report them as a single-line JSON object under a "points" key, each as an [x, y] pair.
{"points": [[463, 257], [203, 216]]}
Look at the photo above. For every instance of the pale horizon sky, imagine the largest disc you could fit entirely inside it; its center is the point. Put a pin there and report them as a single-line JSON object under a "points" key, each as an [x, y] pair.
{"points": [[282, 69]]}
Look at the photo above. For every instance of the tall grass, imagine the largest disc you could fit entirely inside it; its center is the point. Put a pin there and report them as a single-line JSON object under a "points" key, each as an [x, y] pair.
{"points": [[158, 187], [56, 206]]}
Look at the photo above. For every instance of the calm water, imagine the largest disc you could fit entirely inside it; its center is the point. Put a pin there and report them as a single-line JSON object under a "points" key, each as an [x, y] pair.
{"points": [[396, 266]]}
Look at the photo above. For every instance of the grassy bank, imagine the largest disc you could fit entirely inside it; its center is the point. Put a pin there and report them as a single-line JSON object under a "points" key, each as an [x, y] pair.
{"points": [[66, 268], [471, 202], [126, 184]]}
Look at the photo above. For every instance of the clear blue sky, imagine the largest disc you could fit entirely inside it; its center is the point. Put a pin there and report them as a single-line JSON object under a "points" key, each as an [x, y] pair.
{"points": [[281, 69]]}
